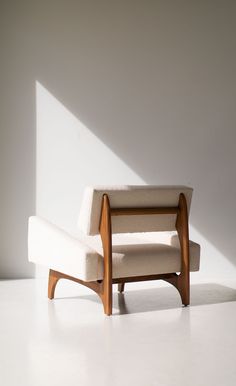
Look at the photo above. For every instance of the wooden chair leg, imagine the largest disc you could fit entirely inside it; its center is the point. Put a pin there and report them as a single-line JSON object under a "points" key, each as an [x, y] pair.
{"points": [[183, 280], [105, 232], [121, 287], [104, 289], [182, 284], [184, 289], [107, 297], [52, 282]]}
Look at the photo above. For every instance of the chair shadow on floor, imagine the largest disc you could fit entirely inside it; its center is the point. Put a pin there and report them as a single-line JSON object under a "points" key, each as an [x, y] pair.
{"points": [[164, 298]]}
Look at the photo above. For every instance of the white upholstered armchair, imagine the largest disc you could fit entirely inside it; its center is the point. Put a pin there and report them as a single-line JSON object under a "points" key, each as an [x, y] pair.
{"points": [[127, 234]]}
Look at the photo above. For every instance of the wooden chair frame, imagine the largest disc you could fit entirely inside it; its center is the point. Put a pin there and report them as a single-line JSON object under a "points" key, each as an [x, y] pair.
{"points": [[104, 287]]}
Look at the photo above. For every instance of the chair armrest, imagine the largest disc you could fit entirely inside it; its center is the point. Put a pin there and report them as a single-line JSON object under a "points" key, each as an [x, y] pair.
{"points": [[56, 249], [195, 251]]}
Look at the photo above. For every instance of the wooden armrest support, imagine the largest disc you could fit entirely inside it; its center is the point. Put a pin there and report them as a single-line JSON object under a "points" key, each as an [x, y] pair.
{"points": [[181, 281]]}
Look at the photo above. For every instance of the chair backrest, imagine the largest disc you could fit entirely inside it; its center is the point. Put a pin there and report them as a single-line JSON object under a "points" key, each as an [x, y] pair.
{"points": [[141, 196]]}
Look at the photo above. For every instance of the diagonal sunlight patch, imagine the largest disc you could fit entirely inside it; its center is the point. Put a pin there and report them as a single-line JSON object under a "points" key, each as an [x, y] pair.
{"points": [[69, 157]]}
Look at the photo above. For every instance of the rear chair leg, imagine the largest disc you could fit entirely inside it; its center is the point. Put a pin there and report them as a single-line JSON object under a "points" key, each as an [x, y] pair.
{"points": [[121, 287], [52, 282]]}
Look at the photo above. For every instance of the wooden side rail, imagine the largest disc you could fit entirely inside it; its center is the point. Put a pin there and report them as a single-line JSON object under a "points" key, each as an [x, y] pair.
{"points": [[132, 279], [143, 211]]}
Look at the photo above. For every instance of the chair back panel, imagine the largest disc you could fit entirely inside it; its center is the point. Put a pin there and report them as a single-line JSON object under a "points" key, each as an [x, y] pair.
{"points": [[141, 196]]}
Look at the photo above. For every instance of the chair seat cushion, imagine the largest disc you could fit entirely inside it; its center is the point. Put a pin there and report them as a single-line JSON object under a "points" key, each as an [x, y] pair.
{"points": [[82, 256], [145, 254]]}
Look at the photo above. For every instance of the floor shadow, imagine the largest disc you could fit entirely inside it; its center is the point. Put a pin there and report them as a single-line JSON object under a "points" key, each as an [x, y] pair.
{"points": [[164, 298]]}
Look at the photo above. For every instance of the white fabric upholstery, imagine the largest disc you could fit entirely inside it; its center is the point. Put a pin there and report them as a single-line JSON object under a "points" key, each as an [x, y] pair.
{"points": [[82, 256], [54, 248], [131, 196]]}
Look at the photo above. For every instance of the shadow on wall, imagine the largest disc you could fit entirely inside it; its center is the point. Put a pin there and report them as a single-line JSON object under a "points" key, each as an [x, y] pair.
{"points": [[155, 83], [17, 140]]}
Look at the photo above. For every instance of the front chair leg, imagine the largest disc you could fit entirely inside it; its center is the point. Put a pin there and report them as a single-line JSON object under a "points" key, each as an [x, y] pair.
{"points": [[105, 232], [52, 282], [107, 297], [103, 289], [182, 284], [184, 289]]}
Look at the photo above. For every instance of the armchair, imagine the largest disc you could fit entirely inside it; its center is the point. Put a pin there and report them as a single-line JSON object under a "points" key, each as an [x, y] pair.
{"points": [[127, 234]]}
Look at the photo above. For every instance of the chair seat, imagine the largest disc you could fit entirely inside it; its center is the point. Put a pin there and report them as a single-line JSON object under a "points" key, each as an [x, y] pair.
{"points": [[82, 256]]}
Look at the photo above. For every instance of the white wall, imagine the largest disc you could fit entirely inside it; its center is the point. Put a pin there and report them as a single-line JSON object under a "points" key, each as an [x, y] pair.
{"points": [[129, 92]]}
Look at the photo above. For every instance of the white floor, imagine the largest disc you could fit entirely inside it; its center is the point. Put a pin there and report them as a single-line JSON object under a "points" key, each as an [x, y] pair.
{"points": [[150, 340]]}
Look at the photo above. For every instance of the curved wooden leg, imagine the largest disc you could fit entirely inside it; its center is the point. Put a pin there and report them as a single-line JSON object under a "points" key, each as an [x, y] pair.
{"points": [[103, 289], [181, 283], [184, 289], [121, 287], [52, 282]]}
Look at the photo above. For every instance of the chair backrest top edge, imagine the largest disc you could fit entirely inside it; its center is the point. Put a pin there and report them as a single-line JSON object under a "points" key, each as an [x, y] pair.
{"points": [[134, 187]]}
